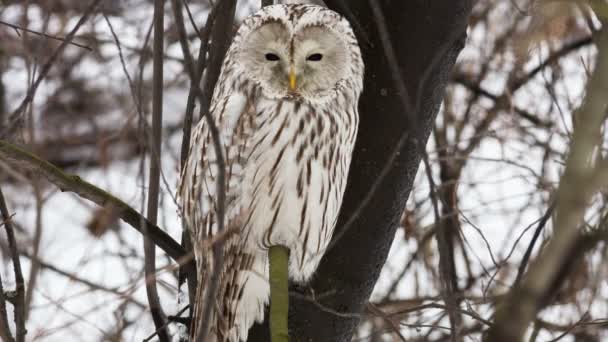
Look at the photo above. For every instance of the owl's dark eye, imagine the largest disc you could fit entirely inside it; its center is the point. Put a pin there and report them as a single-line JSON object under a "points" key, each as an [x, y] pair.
{"points": [[272, 57], [315, 57]]}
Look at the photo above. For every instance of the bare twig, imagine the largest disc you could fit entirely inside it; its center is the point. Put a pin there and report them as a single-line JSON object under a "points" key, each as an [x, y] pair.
{"points": [[394, 326], [5, 332], [19, 301], [191, 18], [521, 306], [156, 309], [176, 5], [16, 27], [177, 315], [92, 285], [194, 92], [185, 275], [568, 48], [526, 258], [14, 120], [221, 35], [37, 239]]}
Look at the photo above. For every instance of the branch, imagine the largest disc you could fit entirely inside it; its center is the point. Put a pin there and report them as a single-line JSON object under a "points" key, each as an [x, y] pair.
{"points": [[5, 332], [156, 310], [19, 301], [77, 279], [278, 256], [568, 48], [175, 318], [193, 94], [72, 183], [187, 274], [526, 258], [575, 191], [221, 36], [44, 35], [176, 6], [14, 120]]}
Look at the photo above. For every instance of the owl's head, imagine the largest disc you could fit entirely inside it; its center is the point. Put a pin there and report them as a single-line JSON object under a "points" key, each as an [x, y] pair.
{"points": [[298, 50]]}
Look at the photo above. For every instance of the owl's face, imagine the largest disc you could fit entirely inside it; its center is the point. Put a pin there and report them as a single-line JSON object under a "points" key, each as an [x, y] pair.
{"points": [[307, 62]]}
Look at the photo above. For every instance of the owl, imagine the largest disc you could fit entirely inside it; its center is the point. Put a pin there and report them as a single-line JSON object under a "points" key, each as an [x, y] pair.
{"points": [[285, 106]]}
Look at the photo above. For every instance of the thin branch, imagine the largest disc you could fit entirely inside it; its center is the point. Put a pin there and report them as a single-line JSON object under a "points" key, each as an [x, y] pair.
{"points": [[15, 119], [5, 332], [191, 18], [67, 182], [185, 275], [19, 301], [394, 326], [501, 101], [523, 303], [575, 45], [189, 274], [195, 91], [156, 310], [526, 258], [397, 312], [92, 285], [221, 36], [44, 35], [32, 278], [177, 315], [176, 5]]}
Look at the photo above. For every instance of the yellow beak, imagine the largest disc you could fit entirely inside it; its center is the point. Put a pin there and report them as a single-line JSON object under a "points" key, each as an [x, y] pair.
{"points": [[292, 79]]}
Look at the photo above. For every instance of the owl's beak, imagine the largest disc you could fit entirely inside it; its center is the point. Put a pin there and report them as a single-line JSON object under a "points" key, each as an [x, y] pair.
{"points": [[292, 79]]}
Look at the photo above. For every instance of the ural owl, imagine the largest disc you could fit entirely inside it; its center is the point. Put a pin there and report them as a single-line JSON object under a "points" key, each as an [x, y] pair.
{"points": [[286, 108]]}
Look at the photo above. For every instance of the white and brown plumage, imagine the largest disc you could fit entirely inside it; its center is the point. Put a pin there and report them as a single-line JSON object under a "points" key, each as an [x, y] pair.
{"points": [[286, 107]]}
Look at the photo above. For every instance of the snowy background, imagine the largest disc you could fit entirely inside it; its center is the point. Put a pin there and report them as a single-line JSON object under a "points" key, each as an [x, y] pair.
{"points": [[509, 143]]}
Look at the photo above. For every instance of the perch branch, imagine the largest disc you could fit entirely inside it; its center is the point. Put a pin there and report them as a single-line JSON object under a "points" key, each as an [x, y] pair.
{"points": [[279, 293]]}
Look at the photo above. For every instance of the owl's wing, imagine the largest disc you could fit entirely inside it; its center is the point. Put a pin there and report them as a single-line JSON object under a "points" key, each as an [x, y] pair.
{"points": [[198, 182], [233, 116]]}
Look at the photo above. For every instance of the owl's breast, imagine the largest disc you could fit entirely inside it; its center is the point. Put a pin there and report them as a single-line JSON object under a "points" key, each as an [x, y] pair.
{"points": [[294, 179]]}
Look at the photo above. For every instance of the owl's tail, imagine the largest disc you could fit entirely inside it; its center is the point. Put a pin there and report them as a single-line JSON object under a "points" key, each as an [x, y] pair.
{"points": [[240, 297]]}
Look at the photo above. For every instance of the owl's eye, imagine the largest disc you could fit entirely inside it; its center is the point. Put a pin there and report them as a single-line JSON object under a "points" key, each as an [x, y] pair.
{"points": [[315, 57], [272, 57]]}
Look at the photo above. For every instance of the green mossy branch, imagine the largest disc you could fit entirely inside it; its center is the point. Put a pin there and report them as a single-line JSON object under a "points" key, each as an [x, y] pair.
{"points": [[279, 293], [72, 183]]}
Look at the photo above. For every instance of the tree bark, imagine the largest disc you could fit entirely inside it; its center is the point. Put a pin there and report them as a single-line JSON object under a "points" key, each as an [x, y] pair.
{"points": [[426, 36]]}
